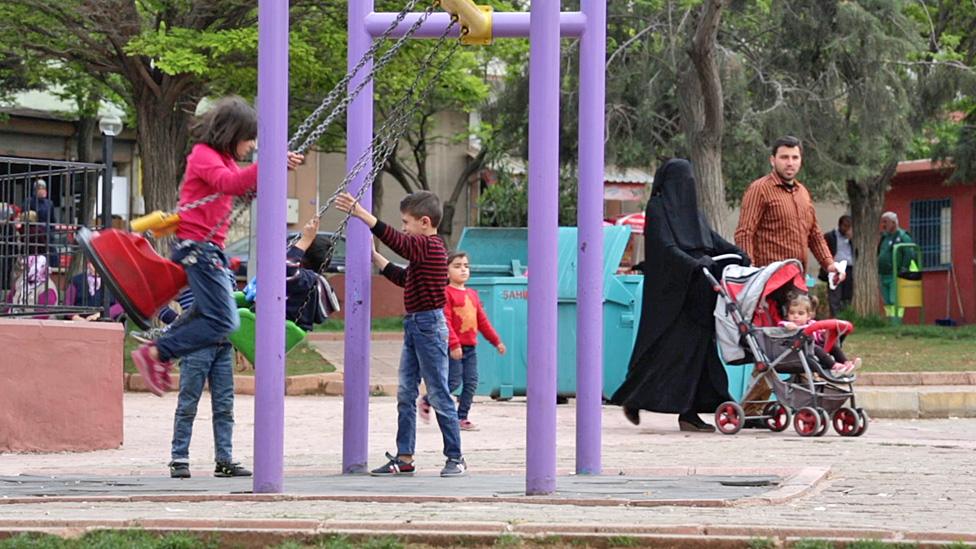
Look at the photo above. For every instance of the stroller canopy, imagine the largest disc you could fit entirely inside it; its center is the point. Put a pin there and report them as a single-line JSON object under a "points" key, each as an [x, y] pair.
{"points": [[750, 288]]}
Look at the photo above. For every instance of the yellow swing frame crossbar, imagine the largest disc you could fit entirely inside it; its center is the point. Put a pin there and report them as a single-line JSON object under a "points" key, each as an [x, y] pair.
{"points": [[475, 21], [159, 222]]}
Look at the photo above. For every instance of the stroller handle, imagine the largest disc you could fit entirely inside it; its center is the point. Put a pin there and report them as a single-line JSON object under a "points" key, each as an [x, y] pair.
{"points": [[834, 328], [711, 278]]}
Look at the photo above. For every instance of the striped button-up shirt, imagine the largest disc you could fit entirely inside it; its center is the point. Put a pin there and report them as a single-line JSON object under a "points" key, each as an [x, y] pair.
{"points": [[778, 222]]}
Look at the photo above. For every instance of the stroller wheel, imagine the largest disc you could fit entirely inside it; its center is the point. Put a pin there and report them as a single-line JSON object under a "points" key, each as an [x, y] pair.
{"points": [[847, 422], [729, 418], [777, 417], [824, 422], [863, 423], [806, 422]]}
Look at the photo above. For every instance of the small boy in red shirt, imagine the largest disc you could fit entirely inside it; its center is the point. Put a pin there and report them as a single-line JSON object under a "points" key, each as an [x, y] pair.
{"points": [[465, 318]]}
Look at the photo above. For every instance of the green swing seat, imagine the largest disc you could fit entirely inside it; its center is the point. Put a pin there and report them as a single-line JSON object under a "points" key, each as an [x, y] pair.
{"points": [[243, 339]]}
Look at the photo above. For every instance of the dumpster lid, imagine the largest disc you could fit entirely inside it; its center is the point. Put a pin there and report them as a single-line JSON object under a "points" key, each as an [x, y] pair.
{"points": [[495, 251], [615, 240]]}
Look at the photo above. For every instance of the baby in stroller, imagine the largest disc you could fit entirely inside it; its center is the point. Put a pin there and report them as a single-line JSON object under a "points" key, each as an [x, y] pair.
{"points": [[800, 309], [795, 377]]}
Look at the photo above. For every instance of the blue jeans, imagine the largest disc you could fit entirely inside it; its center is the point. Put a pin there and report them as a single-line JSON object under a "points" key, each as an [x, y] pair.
{"points": [[464, 373], [213, 314], [215, 365], [425, 357]]}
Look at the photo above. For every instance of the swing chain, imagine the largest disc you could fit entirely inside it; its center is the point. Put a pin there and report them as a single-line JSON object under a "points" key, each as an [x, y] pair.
{"points": [[339, 89], [384, 144], [343, 105]]}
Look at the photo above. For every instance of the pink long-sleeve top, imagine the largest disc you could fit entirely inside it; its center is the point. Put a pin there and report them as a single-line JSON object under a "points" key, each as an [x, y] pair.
{"points": [[207, 172]]}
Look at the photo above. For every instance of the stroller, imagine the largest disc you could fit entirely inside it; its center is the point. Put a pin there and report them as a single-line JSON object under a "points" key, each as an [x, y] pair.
{"points": [[747, 312]]}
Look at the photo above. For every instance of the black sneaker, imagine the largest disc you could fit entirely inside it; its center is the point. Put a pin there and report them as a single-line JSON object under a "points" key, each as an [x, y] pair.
{"points": [[455, 467], [225, 469], [179, 469], [395, 466]]}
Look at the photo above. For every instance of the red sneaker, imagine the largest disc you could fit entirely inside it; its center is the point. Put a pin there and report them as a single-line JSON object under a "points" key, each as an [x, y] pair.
{"points": [[154, 373]]}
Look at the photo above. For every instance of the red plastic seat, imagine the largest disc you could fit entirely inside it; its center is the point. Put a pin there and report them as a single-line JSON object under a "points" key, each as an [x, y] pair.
{"points": [[140, 279]]}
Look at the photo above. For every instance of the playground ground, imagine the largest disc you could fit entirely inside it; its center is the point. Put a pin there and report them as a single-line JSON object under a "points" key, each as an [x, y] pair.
{"points": [[904, 480]]}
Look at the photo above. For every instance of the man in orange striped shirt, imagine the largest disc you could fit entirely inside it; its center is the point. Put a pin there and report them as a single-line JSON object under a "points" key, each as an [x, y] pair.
{"points": [[778, 220]]}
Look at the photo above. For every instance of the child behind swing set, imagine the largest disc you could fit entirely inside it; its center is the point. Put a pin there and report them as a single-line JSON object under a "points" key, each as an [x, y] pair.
{"points": [[800, 312]]}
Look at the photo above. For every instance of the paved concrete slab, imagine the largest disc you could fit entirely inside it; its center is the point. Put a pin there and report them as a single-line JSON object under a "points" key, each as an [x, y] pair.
{"points": [[903, 480], [485, 487]]}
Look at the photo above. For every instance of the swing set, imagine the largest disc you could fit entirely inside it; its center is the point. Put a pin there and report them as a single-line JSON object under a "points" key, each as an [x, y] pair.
{"points": [[144, 281]]}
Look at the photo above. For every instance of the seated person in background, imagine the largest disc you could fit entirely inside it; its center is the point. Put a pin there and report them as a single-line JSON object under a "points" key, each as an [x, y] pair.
{"points": [[309, 297], [86, 290], [31, 285], [800, 310]]}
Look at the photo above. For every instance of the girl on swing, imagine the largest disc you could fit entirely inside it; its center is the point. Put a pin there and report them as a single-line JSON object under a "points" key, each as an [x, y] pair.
{"points": [[224, 135]]}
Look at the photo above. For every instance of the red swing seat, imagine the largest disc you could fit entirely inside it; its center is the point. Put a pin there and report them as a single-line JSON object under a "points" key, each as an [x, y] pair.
{"points": [[139, 278]]}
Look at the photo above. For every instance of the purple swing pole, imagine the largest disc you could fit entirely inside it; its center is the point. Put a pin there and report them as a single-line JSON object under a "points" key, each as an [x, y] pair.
{"points": [[269, 401], [540, 475], [589, 289], [359, 134]]}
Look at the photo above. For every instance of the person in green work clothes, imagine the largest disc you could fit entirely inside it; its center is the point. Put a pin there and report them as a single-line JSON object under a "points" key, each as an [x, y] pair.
{"points": [[892, 234]]}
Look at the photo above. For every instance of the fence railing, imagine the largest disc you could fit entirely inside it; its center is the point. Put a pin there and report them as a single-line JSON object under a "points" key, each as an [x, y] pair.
{"points": [[43, 273]]}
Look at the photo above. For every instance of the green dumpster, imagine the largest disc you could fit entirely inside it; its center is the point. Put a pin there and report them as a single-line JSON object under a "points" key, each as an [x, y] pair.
{"points": [[498, 259]]}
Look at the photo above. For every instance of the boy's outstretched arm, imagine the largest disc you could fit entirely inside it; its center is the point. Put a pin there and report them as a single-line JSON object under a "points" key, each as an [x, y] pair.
{"points": [[347, 203]]}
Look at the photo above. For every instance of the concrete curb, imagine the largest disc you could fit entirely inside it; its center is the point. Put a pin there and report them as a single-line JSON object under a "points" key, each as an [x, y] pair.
{"points": [[923, 400], [915, 379], [328, 384], [265, 532]]}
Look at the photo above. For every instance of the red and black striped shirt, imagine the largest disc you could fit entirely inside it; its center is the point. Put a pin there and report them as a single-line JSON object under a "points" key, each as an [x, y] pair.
{"points": [[424, 278]]}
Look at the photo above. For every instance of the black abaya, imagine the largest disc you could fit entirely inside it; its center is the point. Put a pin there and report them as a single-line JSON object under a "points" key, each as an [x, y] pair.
{"points": [[675, 367]]}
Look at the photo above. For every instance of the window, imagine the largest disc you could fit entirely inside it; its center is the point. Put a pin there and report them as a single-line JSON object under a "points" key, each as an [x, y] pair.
{"points": [[931, 228]]}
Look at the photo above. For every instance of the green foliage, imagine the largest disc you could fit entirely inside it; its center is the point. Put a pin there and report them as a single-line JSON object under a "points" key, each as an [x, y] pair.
{"points": [[813, 544], [623, 541], [506, 202], [110, 539], [761, 543]]}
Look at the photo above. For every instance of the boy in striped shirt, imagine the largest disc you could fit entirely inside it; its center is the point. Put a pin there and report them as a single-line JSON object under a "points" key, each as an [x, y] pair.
{"points": [[425, 330]]}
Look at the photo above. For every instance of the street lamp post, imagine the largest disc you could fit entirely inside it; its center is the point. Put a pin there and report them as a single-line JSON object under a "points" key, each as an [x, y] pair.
{"points": [[110, 126]]}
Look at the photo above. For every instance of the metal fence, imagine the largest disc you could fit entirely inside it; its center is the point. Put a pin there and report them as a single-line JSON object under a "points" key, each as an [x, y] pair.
{"points": [[43, 273]]}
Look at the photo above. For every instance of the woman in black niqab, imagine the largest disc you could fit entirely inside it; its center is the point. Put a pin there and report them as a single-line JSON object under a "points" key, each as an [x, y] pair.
{"points": [[675, 367]]}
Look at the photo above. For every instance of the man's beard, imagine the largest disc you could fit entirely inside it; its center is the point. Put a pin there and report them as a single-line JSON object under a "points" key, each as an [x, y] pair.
{"points": [[783, 178]]}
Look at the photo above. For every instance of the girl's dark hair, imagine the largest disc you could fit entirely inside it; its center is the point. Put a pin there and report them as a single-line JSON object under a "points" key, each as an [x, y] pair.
{"points": [[454, 255], [315, 254], [228, 122]]}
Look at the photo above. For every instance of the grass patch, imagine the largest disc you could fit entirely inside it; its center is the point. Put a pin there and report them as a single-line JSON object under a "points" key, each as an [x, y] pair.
{"points": [[914, 348], [385, 324], [303, 359], [105, 539]]}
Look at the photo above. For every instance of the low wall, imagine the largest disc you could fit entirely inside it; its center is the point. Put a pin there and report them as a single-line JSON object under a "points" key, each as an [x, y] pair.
{"points": [[61, 385], [386, 299]]}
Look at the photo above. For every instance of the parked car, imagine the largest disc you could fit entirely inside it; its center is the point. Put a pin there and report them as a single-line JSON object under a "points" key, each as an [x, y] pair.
{"points": [[238, 252]]}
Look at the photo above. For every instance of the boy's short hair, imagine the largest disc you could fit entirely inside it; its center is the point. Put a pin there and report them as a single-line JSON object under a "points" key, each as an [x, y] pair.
{"points": [[230, 121], [422, 203], [315, 254], [789, 142], [456, 254]]}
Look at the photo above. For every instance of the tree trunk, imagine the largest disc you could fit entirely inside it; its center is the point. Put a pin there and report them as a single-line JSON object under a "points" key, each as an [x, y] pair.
{"points": [[867, 201], [163, 135], [703, 116], [446, 228], [86, 138]]}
